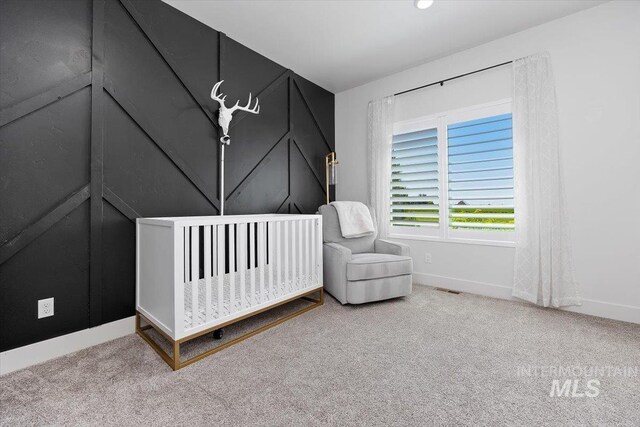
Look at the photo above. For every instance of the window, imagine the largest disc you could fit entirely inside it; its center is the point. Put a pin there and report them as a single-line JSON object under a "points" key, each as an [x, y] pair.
{"points": [[414, 179], [452, 176]]}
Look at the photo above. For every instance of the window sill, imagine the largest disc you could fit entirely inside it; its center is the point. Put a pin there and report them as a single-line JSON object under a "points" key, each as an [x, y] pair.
{"points": [[458, 240]]}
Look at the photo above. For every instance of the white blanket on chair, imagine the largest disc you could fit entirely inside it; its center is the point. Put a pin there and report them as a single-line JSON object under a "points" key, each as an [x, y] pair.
{"points": [[355, 219]]}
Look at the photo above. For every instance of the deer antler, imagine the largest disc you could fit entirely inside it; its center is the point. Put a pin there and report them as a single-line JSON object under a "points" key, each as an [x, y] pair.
{"points": [[216, 97], [254, 110]]}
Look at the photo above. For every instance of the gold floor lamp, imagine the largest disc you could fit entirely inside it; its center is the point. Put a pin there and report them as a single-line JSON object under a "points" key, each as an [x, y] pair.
{"points": [[330, 164]]}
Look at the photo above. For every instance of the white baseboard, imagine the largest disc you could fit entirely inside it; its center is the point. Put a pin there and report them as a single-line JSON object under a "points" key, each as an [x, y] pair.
{"points": [[23, 357], [462, 285], [625, 313], [608, 310]]}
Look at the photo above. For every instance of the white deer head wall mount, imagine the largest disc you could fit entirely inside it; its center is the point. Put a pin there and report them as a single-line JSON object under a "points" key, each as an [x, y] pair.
{"points": [[226, 114]]}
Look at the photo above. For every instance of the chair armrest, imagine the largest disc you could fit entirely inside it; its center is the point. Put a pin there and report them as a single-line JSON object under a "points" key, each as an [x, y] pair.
{"points": [[341, 253], [334, 268], [392, 248]]}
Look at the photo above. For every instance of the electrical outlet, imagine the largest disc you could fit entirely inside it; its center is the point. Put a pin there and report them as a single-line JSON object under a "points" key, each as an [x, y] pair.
{"points": [[427, 258], [45, 308]]}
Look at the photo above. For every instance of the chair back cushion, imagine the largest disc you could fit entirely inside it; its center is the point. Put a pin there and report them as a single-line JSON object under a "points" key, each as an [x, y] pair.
{"points": [[331, 232]]}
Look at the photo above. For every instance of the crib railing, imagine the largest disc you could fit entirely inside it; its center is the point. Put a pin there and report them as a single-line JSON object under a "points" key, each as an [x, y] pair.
{"points": [[228, 267]]}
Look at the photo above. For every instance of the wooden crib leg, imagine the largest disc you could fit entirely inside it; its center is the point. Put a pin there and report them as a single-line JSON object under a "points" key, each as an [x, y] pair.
{"points": [[320, 299], [176, 355], [174, 363]]}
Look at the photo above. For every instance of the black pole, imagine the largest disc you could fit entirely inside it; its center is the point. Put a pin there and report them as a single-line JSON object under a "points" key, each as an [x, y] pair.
{"points": [[442, 82]]}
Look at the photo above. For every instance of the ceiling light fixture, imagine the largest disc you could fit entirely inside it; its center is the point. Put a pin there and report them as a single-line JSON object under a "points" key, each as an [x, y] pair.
{"points": [[423, 4]]}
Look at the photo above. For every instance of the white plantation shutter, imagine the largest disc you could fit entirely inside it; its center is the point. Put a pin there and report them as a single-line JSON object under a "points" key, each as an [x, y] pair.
{"points": [[452, 176], [414, 179], [480, 174]]}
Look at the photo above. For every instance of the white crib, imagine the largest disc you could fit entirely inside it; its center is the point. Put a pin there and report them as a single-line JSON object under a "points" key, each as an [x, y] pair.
{"points": [[199, 274]]}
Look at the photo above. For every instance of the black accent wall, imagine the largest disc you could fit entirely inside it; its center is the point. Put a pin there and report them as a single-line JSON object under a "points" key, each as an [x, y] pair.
{"points": [[105, 116]]}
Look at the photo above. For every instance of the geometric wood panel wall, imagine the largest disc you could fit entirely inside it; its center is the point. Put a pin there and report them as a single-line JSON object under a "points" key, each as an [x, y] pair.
{"points": [[105, 116]]}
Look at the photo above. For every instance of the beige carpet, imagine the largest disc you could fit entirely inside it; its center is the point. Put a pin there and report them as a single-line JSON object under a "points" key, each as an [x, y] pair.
{"points": [[433, 358]]}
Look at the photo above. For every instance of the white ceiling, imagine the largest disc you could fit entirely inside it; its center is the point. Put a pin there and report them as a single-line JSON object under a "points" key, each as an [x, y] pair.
{"points": [[343, 44]]}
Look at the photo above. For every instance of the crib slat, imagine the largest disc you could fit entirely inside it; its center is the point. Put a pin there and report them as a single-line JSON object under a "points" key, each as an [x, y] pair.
{"points": [[294, 256], [313, 252], [207, 270], [301, 254], [286, 286], [220, 251], [261, 267], [195, 275], [270, 238], [319, 244], [242, 260], [232, 268], [307, 266], [300, 250], [278, 260], [252, 260], [187, 247]]}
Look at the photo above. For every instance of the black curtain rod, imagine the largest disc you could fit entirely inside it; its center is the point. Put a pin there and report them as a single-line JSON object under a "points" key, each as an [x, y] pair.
{"points": [[442, 82]]}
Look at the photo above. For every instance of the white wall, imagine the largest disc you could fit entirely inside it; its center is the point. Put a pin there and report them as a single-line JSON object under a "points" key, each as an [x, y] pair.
{"points": [[596, 58]]}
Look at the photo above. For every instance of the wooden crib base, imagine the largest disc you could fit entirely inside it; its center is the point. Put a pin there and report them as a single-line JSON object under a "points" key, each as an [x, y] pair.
{"points": [[174, 361]]}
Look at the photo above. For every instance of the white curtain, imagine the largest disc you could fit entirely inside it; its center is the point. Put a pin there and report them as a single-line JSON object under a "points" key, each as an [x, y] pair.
{"points": [[379, 135], [543, 272]]}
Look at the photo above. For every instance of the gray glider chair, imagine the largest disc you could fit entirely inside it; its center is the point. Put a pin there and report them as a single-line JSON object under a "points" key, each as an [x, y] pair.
{"points": [[362, 269]]}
